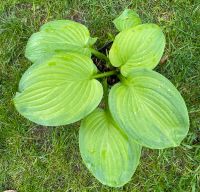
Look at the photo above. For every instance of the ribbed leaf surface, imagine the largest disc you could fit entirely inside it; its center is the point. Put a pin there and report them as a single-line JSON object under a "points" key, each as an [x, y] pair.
{"points": [[107, 152], [127, 19], [138, 47], [59, 36], [59, 90], [150, 109]]}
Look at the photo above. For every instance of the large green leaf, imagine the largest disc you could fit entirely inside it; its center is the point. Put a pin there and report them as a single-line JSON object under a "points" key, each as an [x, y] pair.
{"points": [[138, 47], [106, 150], [127, 19], [150, 109], [59, 36], [59, 90]]}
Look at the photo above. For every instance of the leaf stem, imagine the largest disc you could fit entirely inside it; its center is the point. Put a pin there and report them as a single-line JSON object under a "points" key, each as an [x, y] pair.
{"points": [[105, 88], [122, 79], [105, 74], [99, 55]]}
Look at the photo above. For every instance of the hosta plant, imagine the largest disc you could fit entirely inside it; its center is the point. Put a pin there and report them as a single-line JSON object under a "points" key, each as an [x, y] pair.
{"points": [[141, 107]]}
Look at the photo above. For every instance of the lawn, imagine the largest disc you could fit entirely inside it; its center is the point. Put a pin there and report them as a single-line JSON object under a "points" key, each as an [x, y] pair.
{"points": [[35, 158]]}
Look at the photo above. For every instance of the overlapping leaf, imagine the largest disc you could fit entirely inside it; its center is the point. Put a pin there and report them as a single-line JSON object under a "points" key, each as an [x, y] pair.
{"points": [[107, 152], [59, 90], [127, 19], [138, 47], [59, 36], [150, 109]]}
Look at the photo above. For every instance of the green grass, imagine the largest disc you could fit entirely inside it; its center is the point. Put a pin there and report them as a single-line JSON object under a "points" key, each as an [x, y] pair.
{"points": [[34, 158]]}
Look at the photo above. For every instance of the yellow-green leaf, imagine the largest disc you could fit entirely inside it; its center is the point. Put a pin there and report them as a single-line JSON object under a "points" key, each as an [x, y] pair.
{"points": [[59, 90], [59, 36], [106, 150], [127, 19], [150, 109], [138, 47]]}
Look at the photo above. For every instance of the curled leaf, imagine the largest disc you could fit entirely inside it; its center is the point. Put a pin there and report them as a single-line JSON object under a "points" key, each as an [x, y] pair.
{"points": [[127, 19], [138, 47]]}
